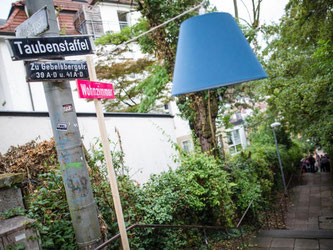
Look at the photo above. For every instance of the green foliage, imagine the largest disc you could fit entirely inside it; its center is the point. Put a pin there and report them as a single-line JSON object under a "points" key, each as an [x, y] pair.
{"points": [[262, 152], [129, 190], [16, 211], [48, 206], [154, 88], [140, 85], [121, 75], [211, 186], [163, 42], [19, 246], [247, 184], [124, 35], [198, 192], [299, 63]]}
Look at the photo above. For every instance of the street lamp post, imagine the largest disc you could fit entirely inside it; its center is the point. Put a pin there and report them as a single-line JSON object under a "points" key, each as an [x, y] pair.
{"points": [[274, 125]]}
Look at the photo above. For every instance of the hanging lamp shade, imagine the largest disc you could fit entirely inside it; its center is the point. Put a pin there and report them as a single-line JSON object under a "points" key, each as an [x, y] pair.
{"points": [[212, 52]]}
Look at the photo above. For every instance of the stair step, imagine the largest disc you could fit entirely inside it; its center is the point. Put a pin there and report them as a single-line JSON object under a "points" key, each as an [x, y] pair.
{"points": [[299, 234]]}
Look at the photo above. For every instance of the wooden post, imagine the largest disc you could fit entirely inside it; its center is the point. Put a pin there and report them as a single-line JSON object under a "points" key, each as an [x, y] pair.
{"points": [[108, 159]]}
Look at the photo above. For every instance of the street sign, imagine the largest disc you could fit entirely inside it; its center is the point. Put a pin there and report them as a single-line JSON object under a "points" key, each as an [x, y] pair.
{"points": [[37, 24], [60, 46], [38, 71], [95, 90]]}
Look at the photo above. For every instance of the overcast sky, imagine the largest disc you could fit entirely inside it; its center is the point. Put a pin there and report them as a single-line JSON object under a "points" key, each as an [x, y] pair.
{"points": [[271, 10], [5, 7]]}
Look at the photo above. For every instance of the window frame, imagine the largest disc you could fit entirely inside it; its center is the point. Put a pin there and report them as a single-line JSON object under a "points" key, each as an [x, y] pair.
{"points": [[234, 147]]}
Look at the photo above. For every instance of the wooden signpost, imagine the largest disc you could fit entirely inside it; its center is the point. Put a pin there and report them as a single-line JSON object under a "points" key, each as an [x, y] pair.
{"points": [[106, 146]]}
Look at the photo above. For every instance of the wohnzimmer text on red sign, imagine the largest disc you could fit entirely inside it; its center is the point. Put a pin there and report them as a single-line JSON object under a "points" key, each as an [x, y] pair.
{"points": [[95, 90]]}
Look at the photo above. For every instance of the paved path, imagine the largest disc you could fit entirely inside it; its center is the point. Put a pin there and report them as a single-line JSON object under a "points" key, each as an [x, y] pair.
{"points": [[309, 220]]}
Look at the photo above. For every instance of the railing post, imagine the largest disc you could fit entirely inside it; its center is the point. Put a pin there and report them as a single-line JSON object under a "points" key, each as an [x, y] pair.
{"points": [[282, 208], [206, 240], [241, 234], [267, 222]]}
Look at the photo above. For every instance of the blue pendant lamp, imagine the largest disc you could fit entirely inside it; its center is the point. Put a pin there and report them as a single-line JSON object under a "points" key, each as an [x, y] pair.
{"points": [[212, 52]]}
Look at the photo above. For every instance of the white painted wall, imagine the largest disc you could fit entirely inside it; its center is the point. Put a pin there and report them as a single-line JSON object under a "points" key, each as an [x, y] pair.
{"points": [[181, 126], [147, 150], [81, 105], [14, 92]]}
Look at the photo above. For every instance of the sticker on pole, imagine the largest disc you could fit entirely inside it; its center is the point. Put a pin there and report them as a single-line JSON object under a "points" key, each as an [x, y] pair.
{"points": [[95, 90]]}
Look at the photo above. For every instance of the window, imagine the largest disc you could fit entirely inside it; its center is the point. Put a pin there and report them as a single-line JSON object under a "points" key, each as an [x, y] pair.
{"points": [[122, 17], [166, 106], [234, 141], [186, 145], [238, 116]]}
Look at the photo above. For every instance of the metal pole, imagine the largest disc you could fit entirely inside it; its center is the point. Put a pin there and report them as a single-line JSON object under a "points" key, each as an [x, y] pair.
{"points": [[69, 148], [280, 163]]}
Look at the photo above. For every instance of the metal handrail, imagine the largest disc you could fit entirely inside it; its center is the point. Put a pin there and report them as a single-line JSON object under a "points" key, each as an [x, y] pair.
{"points": [[114, 238], [190, 226], [179, 226], [248, 207], [161, 226]]}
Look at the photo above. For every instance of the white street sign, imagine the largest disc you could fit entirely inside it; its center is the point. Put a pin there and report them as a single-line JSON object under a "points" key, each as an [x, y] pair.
{"points": [[35, 25]]}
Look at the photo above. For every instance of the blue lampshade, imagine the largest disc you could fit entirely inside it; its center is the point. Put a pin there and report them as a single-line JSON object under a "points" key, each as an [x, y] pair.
{"points": [[212, 52]]}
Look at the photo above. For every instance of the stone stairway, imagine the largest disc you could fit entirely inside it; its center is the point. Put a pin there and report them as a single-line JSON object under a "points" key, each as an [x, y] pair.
{"points": [[309, 220]]}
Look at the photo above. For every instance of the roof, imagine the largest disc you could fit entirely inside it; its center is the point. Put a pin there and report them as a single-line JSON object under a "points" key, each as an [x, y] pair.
{"points": [[16, 16], [67, 10], [128, 2]]}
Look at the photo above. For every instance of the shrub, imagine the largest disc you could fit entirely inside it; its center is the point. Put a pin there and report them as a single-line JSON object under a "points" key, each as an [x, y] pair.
{"points": [[48, 206], [198, 192]]}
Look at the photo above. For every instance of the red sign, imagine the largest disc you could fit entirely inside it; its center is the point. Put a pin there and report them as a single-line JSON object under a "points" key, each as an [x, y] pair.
{"points": [[95, 90]]}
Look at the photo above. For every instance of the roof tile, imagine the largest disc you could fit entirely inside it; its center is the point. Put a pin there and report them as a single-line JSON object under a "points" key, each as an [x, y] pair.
{"points": [[65, 19]]}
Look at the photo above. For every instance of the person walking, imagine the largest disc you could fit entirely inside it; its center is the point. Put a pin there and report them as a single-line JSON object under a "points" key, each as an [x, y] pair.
{"points": [[317, 164], [312, 163], [326, 163], [322, 169]]}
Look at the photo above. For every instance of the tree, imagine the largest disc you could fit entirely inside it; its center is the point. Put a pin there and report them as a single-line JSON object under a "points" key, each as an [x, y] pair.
{"points": [[131, 76], [126, 92], [201, 109], [300, 69]]}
